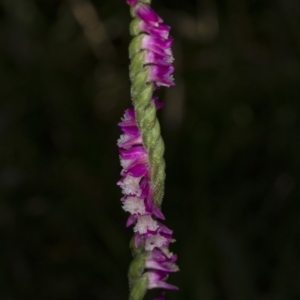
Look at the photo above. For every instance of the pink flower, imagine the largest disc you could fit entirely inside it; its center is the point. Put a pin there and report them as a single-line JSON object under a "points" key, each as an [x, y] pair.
{"points": [[135, 183]]}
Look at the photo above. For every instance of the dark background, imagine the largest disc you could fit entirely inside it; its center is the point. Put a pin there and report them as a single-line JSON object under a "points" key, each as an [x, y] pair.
{"points": [[231, 128]]}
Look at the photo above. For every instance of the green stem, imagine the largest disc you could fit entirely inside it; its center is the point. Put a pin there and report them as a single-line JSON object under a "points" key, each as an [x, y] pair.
{"points": [[145, 110]]}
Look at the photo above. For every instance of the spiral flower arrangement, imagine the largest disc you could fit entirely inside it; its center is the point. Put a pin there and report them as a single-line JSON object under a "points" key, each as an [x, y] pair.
{"points": [[141, 149]]}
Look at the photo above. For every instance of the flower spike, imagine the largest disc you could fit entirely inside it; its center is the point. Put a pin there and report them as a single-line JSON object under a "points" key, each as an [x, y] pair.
{"points": [[141, 150]]}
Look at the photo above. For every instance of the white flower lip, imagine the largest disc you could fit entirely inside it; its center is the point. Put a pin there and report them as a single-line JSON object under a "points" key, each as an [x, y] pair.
{"points": [[144, 224], [130, 185], [134, 205]]}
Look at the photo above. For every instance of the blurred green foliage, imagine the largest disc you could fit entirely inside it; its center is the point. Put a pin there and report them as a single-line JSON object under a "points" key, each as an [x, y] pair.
{"points": [[232, 132]]}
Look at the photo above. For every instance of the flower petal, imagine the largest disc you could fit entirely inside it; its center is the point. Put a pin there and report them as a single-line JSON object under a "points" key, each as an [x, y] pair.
{"points": [[156, 280], [134, 152], [144, 224], [157, 45], [160, 31], [147, 14], [161, 75], [134, 205]]}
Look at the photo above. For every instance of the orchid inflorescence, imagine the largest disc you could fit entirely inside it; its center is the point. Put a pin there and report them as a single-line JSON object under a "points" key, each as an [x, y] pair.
{"points": [[141, 151]]}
